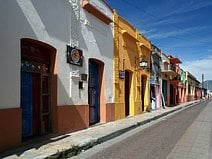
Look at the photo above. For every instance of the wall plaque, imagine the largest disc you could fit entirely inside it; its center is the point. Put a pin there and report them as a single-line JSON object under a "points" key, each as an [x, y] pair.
{"points": [[74, 56], [121, 74]]}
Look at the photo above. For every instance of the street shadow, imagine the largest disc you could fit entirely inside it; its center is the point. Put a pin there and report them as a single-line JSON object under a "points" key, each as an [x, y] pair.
{"points": [[33, 143]]}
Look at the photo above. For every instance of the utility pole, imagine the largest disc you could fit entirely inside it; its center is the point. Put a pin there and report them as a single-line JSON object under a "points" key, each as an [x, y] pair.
{"points": [[202, 91]]}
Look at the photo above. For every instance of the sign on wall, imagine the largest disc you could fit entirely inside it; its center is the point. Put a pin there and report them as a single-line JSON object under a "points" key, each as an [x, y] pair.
{"points": [[74, 56], [121, 74]]}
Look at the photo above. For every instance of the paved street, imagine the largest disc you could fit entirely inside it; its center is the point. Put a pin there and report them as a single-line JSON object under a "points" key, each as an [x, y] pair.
{"points": [[183, 135], [73, 143], [197, 140]]}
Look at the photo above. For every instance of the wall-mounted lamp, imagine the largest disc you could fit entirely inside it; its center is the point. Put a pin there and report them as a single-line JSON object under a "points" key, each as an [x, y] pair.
{"points": [[143, 63]]}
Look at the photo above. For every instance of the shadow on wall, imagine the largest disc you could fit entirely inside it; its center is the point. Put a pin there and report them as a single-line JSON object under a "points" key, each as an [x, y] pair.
{"points": [[65, 119], [71, 117], [55, 16], [43, 22], [49, 20], [131, 50], [16, 23]]}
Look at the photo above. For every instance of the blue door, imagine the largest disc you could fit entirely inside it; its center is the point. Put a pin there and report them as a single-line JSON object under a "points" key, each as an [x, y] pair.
{"points": [[26, 104], [93, 95]]}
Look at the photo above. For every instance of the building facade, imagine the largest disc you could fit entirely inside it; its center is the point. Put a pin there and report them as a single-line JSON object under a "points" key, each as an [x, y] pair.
{"points": [[54, 61], [182, 87], [208, 85], [193, 89], [175, 79], [67, 65], [131, 83], [166, 72], [155, 79]]}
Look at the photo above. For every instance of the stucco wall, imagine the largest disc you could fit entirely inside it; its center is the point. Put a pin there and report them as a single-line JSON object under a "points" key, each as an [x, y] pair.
{"points": [[30, 19], [127, 53], [52, 22], [97, 42]]}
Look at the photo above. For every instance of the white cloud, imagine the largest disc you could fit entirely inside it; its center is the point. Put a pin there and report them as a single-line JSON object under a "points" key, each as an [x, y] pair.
{"points": [[147, 31], [176, 32], [171, 20], [199, 67], [188, 6]]}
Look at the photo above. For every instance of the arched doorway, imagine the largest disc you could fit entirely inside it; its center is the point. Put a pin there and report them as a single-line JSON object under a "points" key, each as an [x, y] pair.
{"points": [[94, 89], [127, 87], [143, 90], [172, 94], [36, 87], [164, 91]]}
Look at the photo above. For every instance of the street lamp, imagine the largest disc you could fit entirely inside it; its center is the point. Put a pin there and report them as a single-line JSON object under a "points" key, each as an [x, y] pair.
{"points": [[143, 63]]}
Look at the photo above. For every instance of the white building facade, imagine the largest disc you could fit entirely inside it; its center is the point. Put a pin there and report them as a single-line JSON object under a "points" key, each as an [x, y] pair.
{"points": [[56, 67]]}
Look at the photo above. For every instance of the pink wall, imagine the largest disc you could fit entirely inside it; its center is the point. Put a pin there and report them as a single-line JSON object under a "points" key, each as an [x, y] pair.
{"points": [[158, 95]]}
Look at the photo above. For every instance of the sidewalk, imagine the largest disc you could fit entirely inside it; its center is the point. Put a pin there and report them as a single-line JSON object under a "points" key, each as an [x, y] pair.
{"points": [[195, 143], [73, 143]]}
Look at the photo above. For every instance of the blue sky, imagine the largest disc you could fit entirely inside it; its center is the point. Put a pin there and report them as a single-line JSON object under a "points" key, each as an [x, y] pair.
{"points": [[182, 28]]}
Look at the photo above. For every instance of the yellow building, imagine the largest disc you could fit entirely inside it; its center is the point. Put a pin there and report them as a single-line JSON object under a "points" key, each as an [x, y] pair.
{"points": [[131, 82]]}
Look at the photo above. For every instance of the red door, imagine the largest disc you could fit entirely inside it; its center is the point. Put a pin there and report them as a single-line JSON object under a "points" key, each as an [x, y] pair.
{"points": [[36, 103], [45, 104]]}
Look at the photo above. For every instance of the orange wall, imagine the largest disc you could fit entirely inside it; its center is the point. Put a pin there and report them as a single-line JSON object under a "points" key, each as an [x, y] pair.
{"points": [[76, 117], [10, 128], [72, 118], [110, 111]]}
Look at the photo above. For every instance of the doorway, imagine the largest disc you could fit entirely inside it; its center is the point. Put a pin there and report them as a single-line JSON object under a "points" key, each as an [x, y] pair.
{"points": [[164, 91], [94, 88], [171, 94], [143, 90], [127, 84], [177, 99], [153, 96], [35, 88]]}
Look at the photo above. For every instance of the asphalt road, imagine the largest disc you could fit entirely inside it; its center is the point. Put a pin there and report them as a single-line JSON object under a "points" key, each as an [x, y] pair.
{"points": [[152, 141]]}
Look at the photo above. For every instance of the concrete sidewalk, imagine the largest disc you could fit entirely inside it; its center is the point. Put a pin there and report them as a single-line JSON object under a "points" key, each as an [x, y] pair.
{"points": [[73, 143], [195, 143]]}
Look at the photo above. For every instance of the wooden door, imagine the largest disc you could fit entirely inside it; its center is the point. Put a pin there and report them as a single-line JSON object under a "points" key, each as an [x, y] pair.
{"points": [[26, 104], [172, 94], [127, 93], [93, 91], [36, 103], [164, 91], [35, 87], [45, 104]]}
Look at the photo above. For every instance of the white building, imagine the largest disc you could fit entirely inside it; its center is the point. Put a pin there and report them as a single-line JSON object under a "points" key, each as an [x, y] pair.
{"points": [[56, 67]]}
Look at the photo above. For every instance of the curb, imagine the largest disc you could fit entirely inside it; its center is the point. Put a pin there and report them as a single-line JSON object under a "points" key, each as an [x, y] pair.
{"points": [[77, 149]]}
